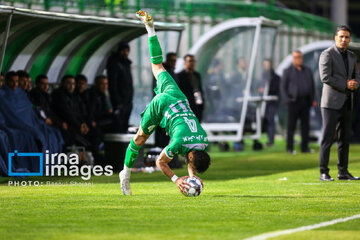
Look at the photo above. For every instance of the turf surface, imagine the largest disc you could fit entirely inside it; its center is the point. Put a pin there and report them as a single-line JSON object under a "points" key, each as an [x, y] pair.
{"points": [[245, 195]]}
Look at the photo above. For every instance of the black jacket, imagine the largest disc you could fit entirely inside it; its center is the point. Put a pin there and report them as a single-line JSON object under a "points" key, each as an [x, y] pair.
{"points": [[69, 107], [98, 107], [42, 106], [289, 85], [120, 80], [183, 79], [274, 85]]}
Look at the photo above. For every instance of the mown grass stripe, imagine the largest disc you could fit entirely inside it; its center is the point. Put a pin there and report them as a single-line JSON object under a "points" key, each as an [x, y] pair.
{"points": [[300, 229]]}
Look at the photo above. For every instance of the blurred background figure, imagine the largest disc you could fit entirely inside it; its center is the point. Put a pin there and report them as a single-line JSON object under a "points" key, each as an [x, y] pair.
{"points": [[100, 108], [41, 100], [121, 87], [24, 80], [12, 80], [1, 79], [80, 88], [298, 93], [215, 85], [189, 81], [270, 82]]}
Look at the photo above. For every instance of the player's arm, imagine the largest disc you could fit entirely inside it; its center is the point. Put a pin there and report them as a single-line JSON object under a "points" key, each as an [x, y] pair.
{"points": [[162, 164]]}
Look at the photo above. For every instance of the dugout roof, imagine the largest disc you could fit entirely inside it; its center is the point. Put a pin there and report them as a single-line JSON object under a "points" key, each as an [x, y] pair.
{"points": [[59, 43]]}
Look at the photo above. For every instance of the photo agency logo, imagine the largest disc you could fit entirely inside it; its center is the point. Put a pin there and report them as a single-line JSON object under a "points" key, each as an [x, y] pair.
{"points": [[57, 165]]}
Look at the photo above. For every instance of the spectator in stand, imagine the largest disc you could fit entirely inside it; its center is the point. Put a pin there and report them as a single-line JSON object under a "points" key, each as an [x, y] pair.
{"points": [[270, 86], [83, 92], [18, 113], [71, 109], [1, 79], [80, 87], [121, 87], [101, 111], [24, 80], [41, 100], [189, 82]]}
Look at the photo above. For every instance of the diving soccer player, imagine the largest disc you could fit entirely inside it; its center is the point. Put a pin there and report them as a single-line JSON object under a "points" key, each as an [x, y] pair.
{"points": [[169, 109]]}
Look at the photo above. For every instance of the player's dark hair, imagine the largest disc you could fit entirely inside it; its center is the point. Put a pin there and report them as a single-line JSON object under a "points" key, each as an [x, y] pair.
{"points": [[201, 161], [39, 78], [342, 28]]}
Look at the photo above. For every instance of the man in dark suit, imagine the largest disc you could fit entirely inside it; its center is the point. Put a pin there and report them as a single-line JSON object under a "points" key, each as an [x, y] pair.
{"points": [[189, 82], [298, 92], [340, 77]]}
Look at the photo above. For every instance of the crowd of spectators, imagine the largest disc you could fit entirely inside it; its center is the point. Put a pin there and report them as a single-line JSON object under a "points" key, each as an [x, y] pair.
{"points": [[35, 119]]}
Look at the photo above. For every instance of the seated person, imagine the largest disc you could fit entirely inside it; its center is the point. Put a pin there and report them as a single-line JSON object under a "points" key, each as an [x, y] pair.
{"points": [[1, 79], [80, 87], [100, 108], [4, 150], [41, 100], [83, 92], [71, 109], [24, 80], [18, 113]]}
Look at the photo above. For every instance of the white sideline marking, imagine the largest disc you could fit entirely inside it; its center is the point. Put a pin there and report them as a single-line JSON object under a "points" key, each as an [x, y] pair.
{"points": [[300, 229]]}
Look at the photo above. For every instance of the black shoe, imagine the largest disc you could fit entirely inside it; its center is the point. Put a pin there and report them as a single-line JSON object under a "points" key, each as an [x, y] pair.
{"points": [[325, 177], [347, 176]]}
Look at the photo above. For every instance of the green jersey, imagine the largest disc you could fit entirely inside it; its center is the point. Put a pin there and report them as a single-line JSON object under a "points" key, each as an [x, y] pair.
{"points": [[170, 109]]}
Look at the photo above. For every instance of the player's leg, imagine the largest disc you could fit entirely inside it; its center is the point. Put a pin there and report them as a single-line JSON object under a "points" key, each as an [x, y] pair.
{"points": [[151, 118], [164, 83], [154, 45], [131, 155]]}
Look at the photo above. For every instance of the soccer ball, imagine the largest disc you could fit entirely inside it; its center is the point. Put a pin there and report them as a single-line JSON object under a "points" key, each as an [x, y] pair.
{"points": [[196, 187]]}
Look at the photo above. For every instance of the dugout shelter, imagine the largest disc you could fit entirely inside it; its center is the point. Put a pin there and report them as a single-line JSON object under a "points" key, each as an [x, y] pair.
{"points": [[234, 104], [55, 44]]}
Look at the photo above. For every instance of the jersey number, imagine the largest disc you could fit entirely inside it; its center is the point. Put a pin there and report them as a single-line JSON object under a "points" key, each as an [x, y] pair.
{"points": [[191, 123]]}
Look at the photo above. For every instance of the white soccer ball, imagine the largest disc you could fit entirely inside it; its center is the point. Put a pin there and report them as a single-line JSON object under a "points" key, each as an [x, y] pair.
{"points": [[196, 186]]}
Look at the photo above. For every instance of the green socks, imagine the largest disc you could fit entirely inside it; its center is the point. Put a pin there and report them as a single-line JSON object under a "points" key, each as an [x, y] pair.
{"points": [[132, 153], [155, 50]]}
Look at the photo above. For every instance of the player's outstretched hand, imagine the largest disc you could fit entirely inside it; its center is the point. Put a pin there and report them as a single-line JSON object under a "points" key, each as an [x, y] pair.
{"points": [[182, 185]]}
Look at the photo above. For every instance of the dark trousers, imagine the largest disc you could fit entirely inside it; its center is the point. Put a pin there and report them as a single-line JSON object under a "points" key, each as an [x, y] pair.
{"points": [[335, 123], [300, 109], [270, 112], [124, 116]]}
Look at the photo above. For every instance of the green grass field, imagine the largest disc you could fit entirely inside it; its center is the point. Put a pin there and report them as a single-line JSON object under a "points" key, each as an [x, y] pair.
{"points": [[243, 197]]}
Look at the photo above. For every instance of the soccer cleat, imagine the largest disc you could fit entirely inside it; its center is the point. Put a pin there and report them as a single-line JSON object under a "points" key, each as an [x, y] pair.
{"points": [[124, 183], [145, 18]]}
